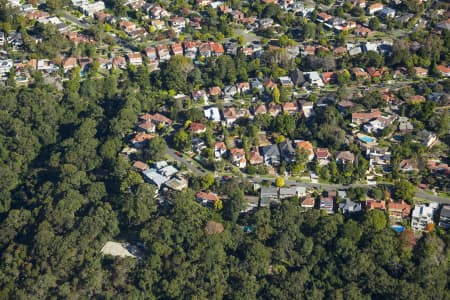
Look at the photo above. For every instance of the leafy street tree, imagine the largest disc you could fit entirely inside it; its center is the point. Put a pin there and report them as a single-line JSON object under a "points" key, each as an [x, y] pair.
{"points": [[404, 190], [156, 149], [279, 182]]}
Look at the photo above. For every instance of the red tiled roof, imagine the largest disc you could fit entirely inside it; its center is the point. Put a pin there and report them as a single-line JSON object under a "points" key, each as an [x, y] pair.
{"points": [[207, 196], [197, 127]]}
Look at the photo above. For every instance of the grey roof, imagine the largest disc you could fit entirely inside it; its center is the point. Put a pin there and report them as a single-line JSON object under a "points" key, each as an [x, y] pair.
{"points": [[270, 151], [269, 191], [349, 207], [286, 192], [286, 149], [155, 177], [445, 211]]}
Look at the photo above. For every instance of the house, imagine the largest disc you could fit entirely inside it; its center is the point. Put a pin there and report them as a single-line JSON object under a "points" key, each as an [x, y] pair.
{"points": [[146, 126], [323, 17], [345, 157], [178, 183], [286, 82], [297, 77], [274, 109], [268, 196], [386, 13], [289, 107], [444, 217], [265, 22], [141, 139], [219, 150], [399, 210], [198, 145], [163, 52], [427, 138], [127, 26], [364, 117], [197, 128], [238, 157], [229, 114], [322, 156], [205, 50], [271, 155], [190, 49], [360, 73], [307, 108], [372, 9], [255, 157], [408, 165], [256, 84], [287, 192], [177, 49], [178, 24], [327, 204], [421, 72], [349, 207], [376, 126], [314, 79], [444, 70], [422, 216], [207, 198], [376, 204], [215, 91], [243, 87], [307, 147], [69, 63], [436, 167], [230, 91], [287, 152], [269, 84], [140, 166], [134, 59], [328, 77], [362, 31], [358, 3], [212, 114], [260, 109], [237, 15], [307, 203], [404, 126], [119, 62], [158, 119], [158, 24]]}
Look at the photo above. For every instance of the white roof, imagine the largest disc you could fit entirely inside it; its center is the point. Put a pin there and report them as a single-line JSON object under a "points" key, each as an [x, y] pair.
{"points": [[115, 249], [212, 114], [168, 171]]}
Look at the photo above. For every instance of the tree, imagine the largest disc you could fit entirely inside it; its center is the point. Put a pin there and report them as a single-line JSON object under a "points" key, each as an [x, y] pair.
{"points": [[375, 220], [139, 206], [374, 23], [181, 140], [279, 182], [155, 149], [276, 95], [404, 190], [11, 81]]}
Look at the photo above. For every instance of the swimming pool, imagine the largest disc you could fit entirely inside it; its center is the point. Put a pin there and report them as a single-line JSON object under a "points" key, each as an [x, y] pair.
{"points": [[398, 228], [367, 139]]}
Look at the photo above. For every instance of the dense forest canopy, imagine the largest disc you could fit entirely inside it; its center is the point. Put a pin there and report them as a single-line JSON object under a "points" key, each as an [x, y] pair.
{"points": [[65, 191]]}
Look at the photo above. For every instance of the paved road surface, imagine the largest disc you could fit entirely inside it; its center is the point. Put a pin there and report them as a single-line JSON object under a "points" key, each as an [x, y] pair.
{"points": [[188, 162], [73, 19], [329, 186]]}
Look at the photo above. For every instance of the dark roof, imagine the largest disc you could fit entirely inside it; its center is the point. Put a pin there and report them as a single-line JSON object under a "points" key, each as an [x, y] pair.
{"points": [[445, 211], [270, 150], [286, 148]]}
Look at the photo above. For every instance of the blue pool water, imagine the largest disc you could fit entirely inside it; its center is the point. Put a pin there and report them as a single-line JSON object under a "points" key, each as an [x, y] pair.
{"points": [[367, 139], [398, 228]]}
